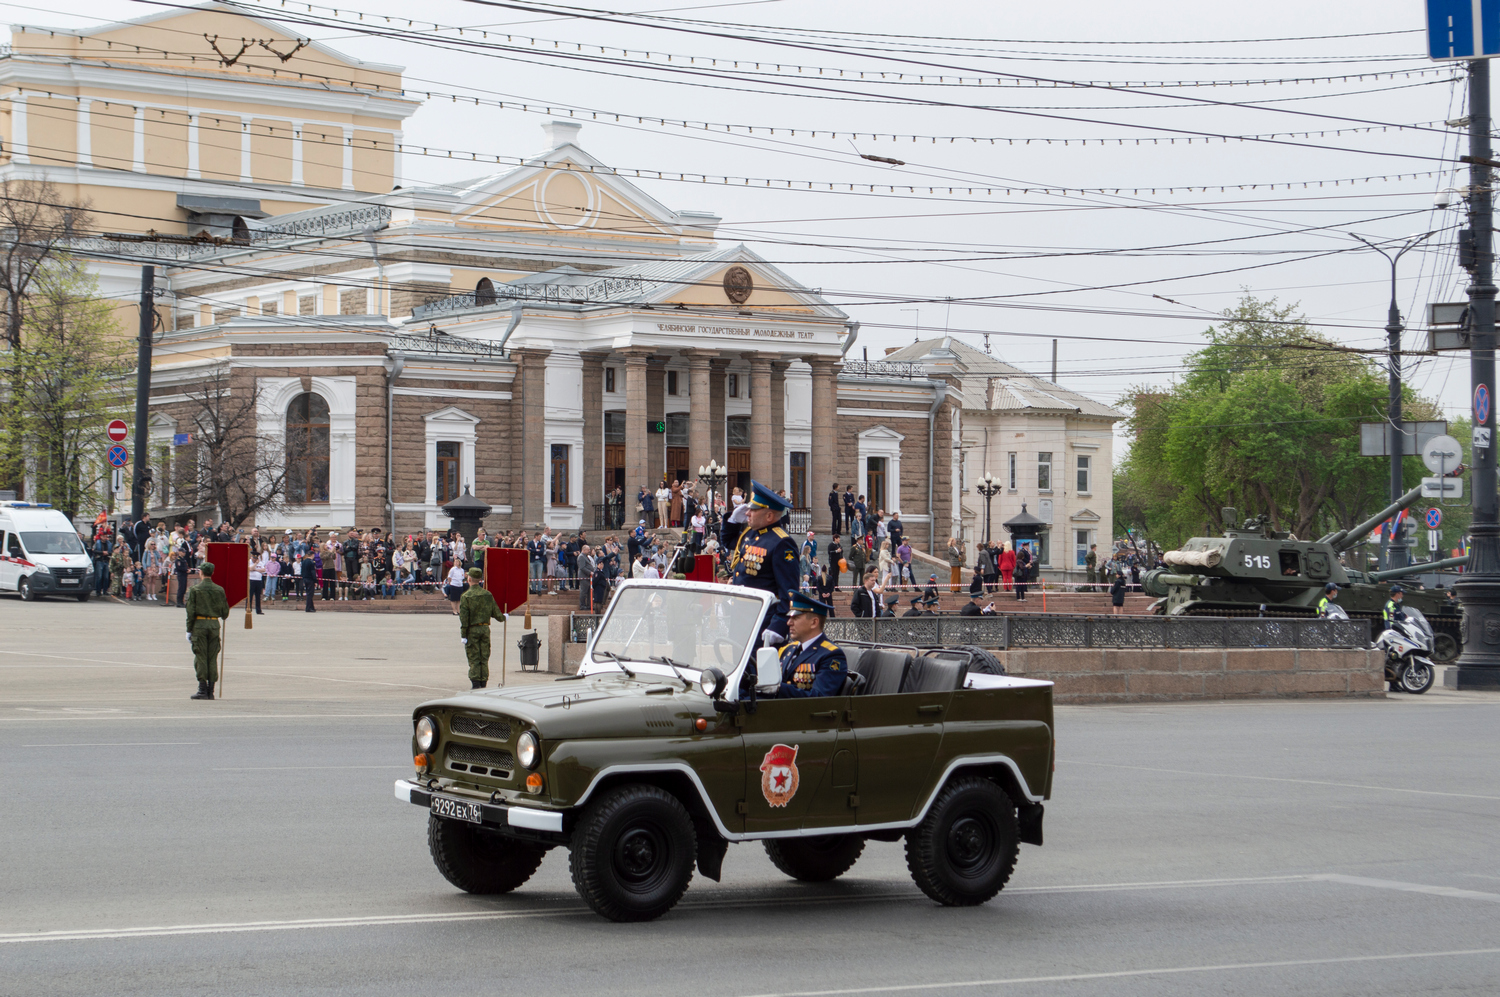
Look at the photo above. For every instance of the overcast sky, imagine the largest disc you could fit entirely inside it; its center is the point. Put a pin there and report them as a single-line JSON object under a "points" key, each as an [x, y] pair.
{"points": [[1201, 250]]}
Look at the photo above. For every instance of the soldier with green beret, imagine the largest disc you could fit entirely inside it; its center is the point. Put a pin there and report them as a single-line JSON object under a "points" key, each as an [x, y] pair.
{"points": [[206, 606], [476, 607]]}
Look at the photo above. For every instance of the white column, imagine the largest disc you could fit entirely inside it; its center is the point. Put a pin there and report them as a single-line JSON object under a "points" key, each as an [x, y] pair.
{"points": [[138, 144], [296, 153], [348, 181], [396, 139], [85, 132], [193, 171], [18, 142], [245, 150]]}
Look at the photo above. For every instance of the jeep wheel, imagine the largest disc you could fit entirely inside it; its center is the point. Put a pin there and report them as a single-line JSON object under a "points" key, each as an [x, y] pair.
{"points": [[965, 848], [633, 853], [815, 860], [478, 860]]}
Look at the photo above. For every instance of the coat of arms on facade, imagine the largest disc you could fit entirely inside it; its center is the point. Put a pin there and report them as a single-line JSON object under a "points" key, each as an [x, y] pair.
{"points": [[738, 284]]}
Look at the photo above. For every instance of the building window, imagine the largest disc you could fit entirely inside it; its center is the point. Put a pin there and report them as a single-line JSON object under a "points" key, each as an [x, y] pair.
{"points": [[1081, 547], [447, 472], [614, 427], [737, 430], [875, 483], [1044, 471], [484, 292], [307, 449], [1010, 471], [671, 382], [733, 389], [677, 429], [609, 379], [560, 473], [798, 487], [1083, 475]]}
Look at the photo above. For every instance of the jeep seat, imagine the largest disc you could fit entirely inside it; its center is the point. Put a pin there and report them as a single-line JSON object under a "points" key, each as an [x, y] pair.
{"points": [[930, 674], [883, 671]]}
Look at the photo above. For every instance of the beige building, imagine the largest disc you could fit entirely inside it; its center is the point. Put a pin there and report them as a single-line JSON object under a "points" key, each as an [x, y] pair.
{"points": [[542, 333]]}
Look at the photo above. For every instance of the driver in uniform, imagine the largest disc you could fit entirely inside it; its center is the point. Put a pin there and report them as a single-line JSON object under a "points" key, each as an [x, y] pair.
{"points": [[811, 664], [766, 558]]}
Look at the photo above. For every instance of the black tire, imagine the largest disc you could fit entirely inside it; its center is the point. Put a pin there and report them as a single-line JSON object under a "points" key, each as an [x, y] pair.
{"points": [[83, 597], [1416, 678], [24, 588], [633, 853], [478, 860], [815, 860], [1444, 648], [965, 848]]}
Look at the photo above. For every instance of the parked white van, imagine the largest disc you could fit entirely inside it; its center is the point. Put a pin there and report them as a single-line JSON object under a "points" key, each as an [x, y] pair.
{"points": [[40, 553]]}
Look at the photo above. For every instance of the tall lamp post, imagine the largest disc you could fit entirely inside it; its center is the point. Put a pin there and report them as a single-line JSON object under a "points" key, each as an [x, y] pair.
{"points": [[1395, 546], [712, 474], [989, 487]]}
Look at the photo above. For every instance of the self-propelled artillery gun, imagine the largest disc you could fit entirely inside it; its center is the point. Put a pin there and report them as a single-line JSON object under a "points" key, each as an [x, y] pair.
{"points": [[1253, 570]]}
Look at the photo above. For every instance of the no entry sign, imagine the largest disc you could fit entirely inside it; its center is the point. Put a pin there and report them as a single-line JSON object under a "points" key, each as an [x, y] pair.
{"points": [[116, 430]]}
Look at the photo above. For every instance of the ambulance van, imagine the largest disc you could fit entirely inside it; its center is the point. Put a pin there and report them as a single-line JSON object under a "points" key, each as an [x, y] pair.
{"points": [[41, 554]]}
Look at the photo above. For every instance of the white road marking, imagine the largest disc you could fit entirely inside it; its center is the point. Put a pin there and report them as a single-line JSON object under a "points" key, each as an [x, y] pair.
{"points": [[1391, 884], [110, 744], [1127, 973], [304, 768], [217, 716], [238, 670], [1272, 778]]}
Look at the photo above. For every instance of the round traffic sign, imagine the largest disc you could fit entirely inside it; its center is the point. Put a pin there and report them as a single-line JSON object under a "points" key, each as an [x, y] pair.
{"points": [[1442, 454], [116, 430], [1434, 518], [118, 456], [1481, 404]]}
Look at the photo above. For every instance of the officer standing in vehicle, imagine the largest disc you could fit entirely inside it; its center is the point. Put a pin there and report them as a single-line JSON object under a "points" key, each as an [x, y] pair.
{"points": [[206, 606], [1393, 611], [811, 664], [1330, 593], [476, 607], [766, 558]]}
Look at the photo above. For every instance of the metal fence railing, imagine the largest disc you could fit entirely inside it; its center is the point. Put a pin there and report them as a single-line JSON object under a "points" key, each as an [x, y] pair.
{"points": [[1059, 630]]}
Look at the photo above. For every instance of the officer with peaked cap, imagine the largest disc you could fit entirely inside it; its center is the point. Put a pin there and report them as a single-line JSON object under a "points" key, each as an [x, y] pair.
{"points": [[766, 557], [206, 606], [811, 664]]}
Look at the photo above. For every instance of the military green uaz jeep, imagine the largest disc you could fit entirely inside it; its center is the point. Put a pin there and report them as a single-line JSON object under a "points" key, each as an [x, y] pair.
{"points": [[661, 752]]}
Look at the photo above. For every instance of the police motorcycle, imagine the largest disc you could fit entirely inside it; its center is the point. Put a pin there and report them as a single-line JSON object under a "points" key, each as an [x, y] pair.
{"points": [[1408, 650]]}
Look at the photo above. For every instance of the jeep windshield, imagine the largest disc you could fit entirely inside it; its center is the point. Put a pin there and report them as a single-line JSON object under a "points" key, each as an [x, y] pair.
{"points": [[696, 628]]}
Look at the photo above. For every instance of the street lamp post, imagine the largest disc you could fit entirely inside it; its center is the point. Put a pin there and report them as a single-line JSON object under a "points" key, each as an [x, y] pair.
{"points": [[711, 474], [989, 487], [1395, 546]]}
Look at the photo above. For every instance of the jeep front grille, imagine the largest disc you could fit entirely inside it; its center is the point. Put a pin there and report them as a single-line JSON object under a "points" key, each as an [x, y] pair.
{"points": [[480, 761], [497, 730]]}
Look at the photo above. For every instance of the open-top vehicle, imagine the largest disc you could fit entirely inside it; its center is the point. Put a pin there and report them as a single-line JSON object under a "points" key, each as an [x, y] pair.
{"points": [[660, 752]]}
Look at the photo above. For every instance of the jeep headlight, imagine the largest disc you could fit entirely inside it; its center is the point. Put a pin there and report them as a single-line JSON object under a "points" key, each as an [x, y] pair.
{"points": [[427, 732], [529, 750]]}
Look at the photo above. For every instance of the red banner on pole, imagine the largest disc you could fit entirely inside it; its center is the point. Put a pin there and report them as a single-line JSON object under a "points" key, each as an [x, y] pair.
{"points": [[506, 576], [703, 569], [231, 570]]}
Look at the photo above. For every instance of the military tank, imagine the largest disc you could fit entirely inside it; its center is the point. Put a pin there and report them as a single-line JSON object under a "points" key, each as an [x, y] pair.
{"points": [[1253, 570]]}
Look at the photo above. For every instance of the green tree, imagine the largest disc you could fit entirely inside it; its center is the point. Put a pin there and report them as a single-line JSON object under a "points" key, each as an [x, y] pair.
{"points": [[64, 385]]}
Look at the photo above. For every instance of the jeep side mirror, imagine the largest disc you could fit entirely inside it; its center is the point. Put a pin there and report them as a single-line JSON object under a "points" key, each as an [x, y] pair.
{"points": [[712, 680]]}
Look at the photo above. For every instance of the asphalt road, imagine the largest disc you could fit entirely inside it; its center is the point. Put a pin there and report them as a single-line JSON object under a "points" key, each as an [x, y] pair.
{"points": [[252, 845]]}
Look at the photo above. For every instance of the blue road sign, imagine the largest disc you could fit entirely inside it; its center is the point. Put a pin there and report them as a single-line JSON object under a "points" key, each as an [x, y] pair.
{"points": [[118, 456], [1434, 518], [1463, 29], [181, 439]]}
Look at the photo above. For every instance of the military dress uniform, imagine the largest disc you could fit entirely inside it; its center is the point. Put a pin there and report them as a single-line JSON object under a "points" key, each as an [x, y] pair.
{"points": [[206, 605], [476, 607], [767, 559], [817, 668]]}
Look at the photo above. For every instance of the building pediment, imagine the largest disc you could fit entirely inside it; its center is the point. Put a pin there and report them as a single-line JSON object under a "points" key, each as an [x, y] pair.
{"points": [[1084, 516]]}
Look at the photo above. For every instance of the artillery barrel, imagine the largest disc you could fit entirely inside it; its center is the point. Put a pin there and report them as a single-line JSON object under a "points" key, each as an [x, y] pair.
{"points": [[1337, 539], [1417, 569], [1156, 581]]}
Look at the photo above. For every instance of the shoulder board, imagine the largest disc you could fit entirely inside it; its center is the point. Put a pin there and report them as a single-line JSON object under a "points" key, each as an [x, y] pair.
{"points": [[829, 645], [783, 534]]}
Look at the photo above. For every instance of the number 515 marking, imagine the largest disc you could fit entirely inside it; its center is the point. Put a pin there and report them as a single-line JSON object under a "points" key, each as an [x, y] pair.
{"points": [[1257, 560]]}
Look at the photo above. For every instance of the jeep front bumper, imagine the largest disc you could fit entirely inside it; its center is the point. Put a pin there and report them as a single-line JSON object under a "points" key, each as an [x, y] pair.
{"points": [[496, 815]]}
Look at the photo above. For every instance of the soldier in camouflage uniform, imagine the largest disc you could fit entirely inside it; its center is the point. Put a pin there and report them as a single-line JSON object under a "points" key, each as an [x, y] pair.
{"points": [[206, 606], [476, 607]]}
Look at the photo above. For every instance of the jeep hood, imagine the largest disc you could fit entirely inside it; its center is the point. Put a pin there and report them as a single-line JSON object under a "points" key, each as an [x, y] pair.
{"points": [[597, 706]]}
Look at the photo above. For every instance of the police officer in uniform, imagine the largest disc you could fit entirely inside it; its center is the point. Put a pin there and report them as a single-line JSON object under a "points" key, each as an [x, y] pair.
{"points": [[766, 557], [811, 664], [206, 605], [1330, 592], [1393, 611], [476, 607]]}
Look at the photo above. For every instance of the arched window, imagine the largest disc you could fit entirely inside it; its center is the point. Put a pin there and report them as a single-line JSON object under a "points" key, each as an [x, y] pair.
{"points": [[307, 449], [484, 292]]}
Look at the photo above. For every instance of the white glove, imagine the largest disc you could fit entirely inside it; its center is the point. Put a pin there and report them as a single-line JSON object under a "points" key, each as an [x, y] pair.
{"points": [[189, 638], [771, 638], [463, 640]]}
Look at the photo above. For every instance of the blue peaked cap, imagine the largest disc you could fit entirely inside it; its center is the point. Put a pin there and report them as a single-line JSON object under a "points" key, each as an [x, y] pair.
{"points": [[804, 603], [762, 497]]}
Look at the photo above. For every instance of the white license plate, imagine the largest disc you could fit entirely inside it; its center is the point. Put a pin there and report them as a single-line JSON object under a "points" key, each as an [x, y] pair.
{"points": [[68, 581], [443, 806]]}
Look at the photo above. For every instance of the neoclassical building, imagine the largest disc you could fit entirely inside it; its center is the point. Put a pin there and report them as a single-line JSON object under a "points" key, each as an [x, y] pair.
{"points": [[540, 334]]}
